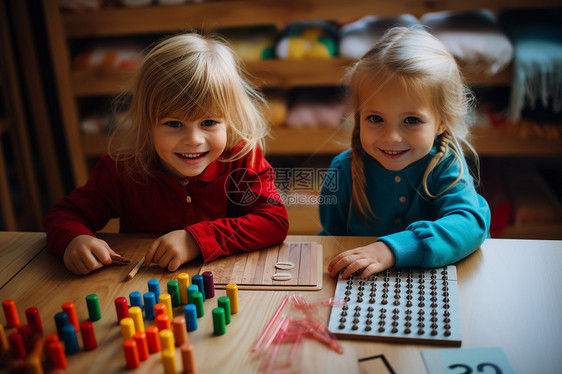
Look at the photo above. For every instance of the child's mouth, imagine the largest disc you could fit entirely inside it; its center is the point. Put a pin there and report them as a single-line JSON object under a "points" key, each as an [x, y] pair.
{"points": [[393, 153], [192, 156]]}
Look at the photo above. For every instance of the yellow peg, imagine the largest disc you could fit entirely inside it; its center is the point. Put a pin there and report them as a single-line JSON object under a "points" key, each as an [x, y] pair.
{"points": [[167, 340], [169, 361], [135, 313], [232, 294], [166, 299], [183, 282], [127, 328]]}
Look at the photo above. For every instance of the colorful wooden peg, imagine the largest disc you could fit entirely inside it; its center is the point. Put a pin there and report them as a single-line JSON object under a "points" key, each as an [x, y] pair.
{"points": [[56, 353], [154, 287], [131, 354], [153, 339], [93, 306], [219, 321], [127, 328], [122, 308], [224, 302], [88, 335], [174, 292], [232, 294], [183, 283], [11, 313], [142, 345], [34, 321], [198, 280], [190, 312], [135, 299], [180, 330], [135, 313], [169, 361], [167, 340], [149, 301], [70, 340], [209, 284], [70, 311], [166, 299], [61, 320], [188, 358]]}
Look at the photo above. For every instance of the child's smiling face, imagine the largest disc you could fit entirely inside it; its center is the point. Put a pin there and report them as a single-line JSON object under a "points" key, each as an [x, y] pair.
{"points": [[397, 126], [187, 147]]}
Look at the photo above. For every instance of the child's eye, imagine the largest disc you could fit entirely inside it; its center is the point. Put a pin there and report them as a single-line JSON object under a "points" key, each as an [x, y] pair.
{"points": [[208, 123], [374, 118], [173, 124], [412, 120]]}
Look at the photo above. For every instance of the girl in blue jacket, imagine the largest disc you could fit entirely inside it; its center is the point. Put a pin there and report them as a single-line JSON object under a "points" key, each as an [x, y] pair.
{"points": [[405, 178]]}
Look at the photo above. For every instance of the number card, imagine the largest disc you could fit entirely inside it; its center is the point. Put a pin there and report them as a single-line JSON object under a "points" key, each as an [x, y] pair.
{"points": [[466, 361]]}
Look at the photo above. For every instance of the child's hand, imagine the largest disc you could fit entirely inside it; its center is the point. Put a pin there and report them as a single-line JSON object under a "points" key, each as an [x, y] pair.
{"points": [[172, 250], [86, 253], [373, 258]]}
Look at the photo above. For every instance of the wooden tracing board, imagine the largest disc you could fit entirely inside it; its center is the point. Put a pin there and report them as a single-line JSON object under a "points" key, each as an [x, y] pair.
{"points": [[254, 270]]}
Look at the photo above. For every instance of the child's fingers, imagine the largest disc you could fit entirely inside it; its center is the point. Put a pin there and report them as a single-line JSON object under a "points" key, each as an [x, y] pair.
{"points": [[149, 256], [340, 265], [333, 267], [372, 269], [103, 253], [88, 263], [174, 264], [353, 267]]}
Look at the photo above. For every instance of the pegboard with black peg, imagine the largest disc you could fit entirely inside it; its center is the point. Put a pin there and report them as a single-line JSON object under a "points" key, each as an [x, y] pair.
{"points": [[400, 305]]}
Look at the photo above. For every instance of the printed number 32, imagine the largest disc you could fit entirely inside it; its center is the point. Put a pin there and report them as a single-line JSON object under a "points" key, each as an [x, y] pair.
{"points": [[480, 368]]}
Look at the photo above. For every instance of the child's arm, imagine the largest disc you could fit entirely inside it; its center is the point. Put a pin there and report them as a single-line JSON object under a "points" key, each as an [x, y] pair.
{"points": [[86, 253], [460, 225], [85, 210], [173, 250], [373, 258], [256, 217]]}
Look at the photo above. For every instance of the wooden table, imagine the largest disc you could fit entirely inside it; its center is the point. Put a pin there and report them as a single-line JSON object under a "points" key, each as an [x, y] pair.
{"points": [[508, 291]]}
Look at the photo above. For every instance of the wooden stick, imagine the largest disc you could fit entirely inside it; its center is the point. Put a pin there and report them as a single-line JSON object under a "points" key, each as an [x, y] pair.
{"points": [[136, 268]]}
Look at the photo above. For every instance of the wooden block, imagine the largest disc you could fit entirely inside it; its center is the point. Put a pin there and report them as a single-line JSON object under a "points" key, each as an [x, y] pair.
{"points": [[254, 270]]}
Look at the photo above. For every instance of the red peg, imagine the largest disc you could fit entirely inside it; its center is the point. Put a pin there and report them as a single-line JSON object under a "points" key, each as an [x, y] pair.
{"points": [[122, 308], [153, 339], [70, 311], [131, 354], [163, 322], [26, 334], [56, 353], [160, 308], [88, 335], [17, 348], [142, 344], [11, 313], [34, 321]]}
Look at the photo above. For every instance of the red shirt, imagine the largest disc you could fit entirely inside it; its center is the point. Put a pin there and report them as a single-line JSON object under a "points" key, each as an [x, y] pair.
{"points": [[230, 207]]}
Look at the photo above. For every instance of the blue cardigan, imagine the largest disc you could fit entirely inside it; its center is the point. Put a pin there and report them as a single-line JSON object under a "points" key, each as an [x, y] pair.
{"points": [[420, 230]]}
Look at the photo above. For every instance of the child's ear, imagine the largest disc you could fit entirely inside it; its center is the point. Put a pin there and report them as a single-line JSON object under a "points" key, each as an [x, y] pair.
{"points": [[441, 128]]}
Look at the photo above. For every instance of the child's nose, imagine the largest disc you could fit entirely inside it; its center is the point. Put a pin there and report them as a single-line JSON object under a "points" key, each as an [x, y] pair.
{"points": [[391, 134], [193, 136]]}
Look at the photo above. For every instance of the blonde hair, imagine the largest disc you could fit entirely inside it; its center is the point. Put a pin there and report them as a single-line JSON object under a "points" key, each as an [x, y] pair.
{"points": [[420, 62], [187, 76]]}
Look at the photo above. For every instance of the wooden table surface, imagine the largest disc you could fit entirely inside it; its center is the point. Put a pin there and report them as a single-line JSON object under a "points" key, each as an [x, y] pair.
{"points": [[16, 250], [509, 295]]}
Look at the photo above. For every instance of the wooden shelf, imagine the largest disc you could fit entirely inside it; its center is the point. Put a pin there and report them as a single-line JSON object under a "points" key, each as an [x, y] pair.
{"points": [[267, 73], [285, 141], [215, 14]]}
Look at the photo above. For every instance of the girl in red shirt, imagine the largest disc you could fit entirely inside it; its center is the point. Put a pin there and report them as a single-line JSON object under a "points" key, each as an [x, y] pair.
{"points": [[184, 163]]}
